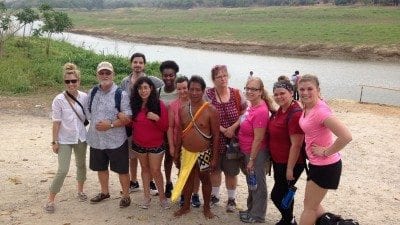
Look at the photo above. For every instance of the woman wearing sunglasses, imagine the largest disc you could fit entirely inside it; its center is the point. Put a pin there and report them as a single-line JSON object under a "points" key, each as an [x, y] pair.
{"points": [[68, 134]]}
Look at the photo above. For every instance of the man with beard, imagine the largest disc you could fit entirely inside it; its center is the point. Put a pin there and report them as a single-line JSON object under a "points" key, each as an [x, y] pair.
{"points": [[107, 136]]}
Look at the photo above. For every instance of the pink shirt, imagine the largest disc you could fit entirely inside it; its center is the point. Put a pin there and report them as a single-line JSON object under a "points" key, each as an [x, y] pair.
{"points": [[254, 117], [316, 133], [174, 106], [149, 133]]}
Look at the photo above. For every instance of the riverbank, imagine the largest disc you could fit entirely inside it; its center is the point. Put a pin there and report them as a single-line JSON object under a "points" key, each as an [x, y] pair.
{"points": [[326, 51], [368, 189], [353, 32]]}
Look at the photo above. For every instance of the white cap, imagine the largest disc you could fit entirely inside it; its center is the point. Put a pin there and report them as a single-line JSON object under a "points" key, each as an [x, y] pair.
{"points": [[105, 66]]}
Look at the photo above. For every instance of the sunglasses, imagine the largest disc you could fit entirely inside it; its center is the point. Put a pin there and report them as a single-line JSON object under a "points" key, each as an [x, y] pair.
{"points": [[70, 81]]}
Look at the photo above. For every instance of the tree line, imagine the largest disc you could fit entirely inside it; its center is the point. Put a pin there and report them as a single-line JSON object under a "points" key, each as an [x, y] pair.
{"points": [[184, 4]]}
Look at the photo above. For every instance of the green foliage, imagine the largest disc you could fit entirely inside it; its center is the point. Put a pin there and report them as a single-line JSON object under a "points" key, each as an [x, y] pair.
{"points": [[33, 70]]}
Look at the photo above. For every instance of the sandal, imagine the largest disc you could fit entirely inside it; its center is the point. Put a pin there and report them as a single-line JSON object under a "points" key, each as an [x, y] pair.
{"points": [[165, 204], [125, 202], [145, 204], [82, 197], [99, 197], [49, 207]]}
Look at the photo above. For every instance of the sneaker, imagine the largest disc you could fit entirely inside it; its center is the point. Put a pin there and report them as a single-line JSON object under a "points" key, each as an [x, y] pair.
{"points": [[99, 197], [82, 196], [49, 207], [249, 219], [196, 200], [182, 201], [214, 200], [165, 204], [125, 202], [133, 186], [231, 205], [168, 189], [243, 214], [284, 222], [153, 189]]}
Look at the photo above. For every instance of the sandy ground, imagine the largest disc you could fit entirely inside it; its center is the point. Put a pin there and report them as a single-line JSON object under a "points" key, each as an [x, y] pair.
{"points": [[369, 189]]}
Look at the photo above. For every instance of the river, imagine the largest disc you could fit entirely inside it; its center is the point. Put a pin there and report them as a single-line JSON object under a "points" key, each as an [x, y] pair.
{"points": [[339, 79]]}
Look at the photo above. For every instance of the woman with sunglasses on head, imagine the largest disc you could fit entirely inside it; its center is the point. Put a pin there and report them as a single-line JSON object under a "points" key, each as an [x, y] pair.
{"points": [[149, 125], [325, 165], [230, 104], [285, 139], [69, 134], [253, 144]]}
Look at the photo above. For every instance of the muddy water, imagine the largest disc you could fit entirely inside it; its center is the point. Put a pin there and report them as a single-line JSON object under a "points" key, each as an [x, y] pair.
{"points": [[339, 79]]}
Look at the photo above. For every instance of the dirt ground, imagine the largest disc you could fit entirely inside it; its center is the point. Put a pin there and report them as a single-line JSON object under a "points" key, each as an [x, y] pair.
{"points": [[369, 189]]}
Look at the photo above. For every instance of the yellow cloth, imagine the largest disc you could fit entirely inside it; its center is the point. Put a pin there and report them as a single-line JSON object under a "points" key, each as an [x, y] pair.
{"points": [[188, 159]]}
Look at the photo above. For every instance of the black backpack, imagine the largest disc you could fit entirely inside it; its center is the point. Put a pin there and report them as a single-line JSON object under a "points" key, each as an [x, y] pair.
{"points": [[117, 99], [332, 219]]}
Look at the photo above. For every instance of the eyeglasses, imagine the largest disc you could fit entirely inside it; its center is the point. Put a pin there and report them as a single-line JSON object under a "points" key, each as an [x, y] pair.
{"points": [[106, 73], [249, 89], [221, 77], [70, 81]]}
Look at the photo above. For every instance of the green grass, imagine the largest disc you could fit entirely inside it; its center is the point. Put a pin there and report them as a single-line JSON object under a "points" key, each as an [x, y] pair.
{"points": [[271, 25], [25, 68]]}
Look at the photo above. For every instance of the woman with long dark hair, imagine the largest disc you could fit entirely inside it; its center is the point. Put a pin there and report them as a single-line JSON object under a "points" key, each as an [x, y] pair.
{"points": [[149, 124]]}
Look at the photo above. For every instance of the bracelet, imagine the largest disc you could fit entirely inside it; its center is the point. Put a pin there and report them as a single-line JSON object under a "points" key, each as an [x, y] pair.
{"points": [[324, 153], [54, 143]]}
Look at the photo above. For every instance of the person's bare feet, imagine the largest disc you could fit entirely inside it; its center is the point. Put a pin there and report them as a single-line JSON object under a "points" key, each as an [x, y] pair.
{"points": [[181, 211], [208, 214]]}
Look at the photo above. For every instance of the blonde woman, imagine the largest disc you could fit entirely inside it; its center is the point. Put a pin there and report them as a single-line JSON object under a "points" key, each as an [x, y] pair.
{"points": [[325, 167], [68, 134], [253, 144]]}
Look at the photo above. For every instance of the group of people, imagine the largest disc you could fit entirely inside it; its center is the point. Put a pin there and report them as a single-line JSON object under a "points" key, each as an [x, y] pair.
{"points": [[180, 120]]}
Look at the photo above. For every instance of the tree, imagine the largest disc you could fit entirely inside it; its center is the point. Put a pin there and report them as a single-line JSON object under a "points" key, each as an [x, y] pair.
{"points": [[53, 22], [26, 16]]}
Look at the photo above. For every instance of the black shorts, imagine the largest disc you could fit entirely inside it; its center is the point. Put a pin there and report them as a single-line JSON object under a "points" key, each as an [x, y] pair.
{"points": [[152, 150], [230, 167], [118, 159], [327, 176]]}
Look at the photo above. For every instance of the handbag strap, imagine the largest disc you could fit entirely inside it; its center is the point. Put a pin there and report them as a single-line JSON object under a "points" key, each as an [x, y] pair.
{"points": [[73, 108], [76, 100]]}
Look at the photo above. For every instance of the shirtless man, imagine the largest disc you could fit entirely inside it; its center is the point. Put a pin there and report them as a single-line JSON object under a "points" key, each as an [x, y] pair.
{"points": [[198, 131]]}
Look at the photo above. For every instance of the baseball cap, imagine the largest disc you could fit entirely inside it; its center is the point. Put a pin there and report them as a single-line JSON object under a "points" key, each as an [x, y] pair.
{"points": [[105, 66]]}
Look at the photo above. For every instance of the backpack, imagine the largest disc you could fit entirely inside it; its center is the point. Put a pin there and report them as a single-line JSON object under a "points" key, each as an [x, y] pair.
{"points": [[117, 100], [332, 219], [303, 146]]}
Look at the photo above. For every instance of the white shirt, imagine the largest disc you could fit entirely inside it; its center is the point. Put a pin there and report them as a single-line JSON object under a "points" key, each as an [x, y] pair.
{"points": [[72, 129]]}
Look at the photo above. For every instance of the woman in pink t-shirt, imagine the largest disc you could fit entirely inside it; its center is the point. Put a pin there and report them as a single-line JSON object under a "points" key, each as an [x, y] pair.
{"points": [[319, 126], [253, 144]]}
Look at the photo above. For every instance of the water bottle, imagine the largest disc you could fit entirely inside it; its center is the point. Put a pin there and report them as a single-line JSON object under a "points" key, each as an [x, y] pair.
{"points": [[252, 181], [288, 198]]}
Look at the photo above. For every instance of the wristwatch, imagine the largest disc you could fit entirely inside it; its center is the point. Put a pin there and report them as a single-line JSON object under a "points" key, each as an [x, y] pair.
{"points": [[111, 125]]}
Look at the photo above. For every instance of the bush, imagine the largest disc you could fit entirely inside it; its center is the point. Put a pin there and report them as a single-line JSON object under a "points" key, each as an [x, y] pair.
{"points": [[33, 70]]}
